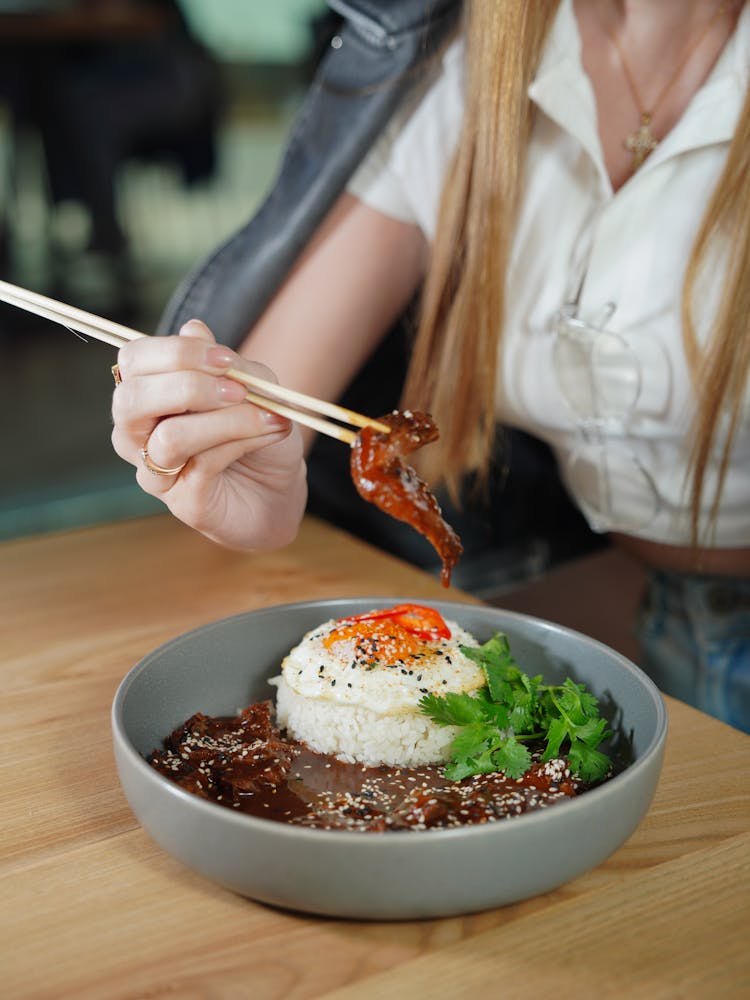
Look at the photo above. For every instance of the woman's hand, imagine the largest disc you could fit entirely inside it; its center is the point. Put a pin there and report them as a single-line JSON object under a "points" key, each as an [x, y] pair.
{"points": [[242, 474]]}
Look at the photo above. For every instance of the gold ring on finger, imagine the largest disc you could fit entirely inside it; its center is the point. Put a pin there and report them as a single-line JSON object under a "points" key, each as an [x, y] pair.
{"points": [[158, 470]]}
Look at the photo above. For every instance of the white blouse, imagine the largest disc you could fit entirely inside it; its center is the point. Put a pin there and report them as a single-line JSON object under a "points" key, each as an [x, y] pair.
{"points": [[593, 359]]}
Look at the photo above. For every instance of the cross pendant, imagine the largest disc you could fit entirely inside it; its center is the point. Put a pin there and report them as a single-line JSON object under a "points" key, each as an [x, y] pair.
{"points": [[642, 142]]}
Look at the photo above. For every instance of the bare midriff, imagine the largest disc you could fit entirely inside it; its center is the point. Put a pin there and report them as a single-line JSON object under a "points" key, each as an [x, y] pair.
{"points": [[685, 559]]}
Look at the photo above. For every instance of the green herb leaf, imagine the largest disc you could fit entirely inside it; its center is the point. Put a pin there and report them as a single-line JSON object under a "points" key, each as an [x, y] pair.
{"points": [[556, 733], [459, 769], [471, 741], [495, 659], [512, 757], [592, 765], [514, 708], [452, 709]]}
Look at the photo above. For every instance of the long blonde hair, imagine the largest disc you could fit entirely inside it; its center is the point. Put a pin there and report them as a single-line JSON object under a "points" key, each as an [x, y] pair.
{"points": [[454, 361]]}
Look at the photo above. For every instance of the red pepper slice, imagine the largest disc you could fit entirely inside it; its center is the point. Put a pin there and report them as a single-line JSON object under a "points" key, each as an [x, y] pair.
{"points": [[419, 620]]}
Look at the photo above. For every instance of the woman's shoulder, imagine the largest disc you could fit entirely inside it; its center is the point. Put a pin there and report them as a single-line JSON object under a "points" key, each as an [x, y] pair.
{"points": [[438, 105], [403, 174]]}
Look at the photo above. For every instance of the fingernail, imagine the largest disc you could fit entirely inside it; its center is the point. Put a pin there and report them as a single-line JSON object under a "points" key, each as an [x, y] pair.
{"points": [[275, 421], [193, 328], [230, 391], [220, 357]]}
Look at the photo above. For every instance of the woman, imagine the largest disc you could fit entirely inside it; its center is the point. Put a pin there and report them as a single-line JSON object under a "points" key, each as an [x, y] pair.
{"points": [[578, 210]]}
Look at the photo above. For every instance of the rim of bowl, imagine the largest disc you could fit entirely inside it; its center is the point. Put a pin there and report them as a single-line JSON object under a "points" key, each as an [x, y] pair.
{"points": [[525, 820]]}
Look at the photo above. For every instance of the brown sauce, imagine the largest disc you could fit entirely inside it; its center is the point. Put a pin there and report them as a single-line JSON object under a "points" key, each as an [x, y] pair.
{"points": [[382, 477], [244, 763]]}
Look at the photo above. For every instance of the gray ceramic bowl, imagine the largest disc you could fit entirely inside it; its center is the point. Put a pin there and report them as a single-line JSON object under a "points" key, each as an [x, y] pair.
{"points": [[223, 666]]}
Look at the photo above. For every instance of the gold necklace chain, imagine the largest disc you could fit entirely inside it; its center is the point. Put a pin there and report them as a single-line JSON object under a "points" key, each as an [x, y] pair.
{"points": [[643, 142]]}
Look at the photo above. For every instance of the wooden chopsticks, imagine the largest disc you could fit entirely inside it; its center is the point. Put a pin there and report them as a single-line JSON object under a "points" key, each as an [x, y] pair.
{"points": [[286, 402]]}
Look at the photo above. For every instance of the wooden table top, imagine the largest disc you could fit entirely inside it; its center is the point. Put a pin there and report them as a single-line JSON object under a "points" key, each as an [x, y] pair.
{"points": [[92, 908]]}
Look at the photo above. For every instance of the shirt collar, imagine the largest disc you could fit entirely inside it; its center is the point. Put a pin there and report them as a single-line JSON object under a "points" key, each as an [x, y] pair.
{"points": [[713, 113], [562, 90]]}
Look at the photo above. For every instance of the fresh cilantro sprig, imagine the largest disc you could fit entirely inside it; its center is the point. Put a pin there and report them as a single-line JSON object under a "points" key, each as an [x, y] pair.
{"points": [[514, 709]]}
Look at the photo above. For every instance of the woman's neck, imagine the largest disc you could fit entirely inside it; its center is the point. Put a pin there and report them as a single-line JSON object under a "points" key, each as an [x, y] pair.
{"points": [[648, 58], [662, 28]]}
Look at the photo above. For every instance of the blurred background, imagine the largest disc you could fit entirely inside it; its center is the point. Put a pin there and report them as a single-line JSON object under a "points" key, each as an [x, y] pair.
{"points": [[135, 135]]}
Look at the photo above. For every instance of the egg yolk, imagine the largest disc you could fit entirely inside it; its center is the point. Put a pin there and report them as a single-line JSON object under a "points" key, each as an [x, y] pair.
{"points": [[377, 640]]}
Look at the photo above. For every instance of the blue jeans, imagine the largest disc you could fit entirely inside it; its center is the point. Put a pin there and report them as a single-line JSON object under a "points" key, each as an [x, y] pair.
{"points": [[694, 633]]}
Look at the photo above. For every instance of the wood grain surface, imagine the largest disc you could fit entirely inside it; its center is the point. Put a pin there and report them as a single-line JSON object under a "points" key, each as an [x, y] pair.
{"points": [[91, 907]]}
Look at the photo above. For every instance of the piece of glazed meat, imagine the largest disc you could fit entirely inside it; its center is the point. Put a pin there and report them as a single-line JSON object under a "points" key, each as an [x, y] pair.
{"points": [[382, 477]]}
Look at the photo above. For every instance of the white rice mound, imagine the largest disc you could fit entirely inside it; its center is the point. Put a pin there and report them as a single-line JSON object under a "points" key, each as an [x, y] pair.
{"points": [[368, 714], [360, 735]]}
